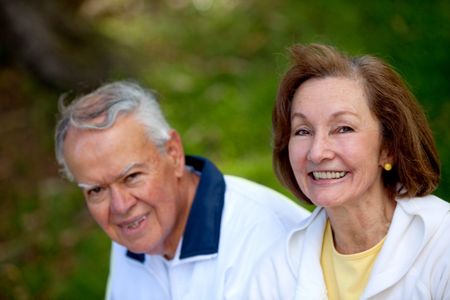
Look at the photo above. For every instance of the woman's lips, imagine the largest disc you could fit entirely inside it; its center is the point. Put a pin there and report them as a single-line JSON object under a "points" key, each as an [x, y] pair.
{"points": [[318, 175]]}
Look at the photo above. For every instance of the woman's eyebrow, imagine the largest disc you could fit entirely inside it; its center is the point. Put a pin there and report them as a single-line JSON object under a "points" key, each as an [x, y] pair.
{"points": [[298, 115], [334, 115], [343, 113]]}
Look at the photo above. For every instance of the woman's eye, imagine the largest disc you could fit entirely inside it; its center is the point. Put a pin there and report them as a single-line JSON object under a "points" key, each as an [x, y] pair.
{"points": [[344, 129], [302, 132]]}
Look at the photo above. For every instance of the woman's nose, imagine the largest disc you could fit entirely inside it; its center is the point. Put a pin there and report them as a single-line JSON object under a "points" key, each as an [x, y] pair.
{"points": [[320, 148]]}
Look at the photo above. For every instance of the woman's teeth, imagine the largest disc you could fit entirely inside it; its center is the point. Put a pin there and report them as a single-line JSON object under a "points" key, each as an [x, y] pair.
{"points": [[329, 175]]}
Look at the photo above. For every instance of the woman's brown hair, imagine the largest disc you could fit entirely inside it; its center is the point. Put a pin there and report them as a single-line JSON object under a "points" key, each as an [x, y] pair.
{"points": [[406, 134]]}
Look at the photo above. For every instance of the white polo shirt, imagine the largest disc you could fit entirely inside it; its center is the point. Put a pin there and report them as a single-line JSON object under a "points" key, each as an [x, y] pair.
{"points": [[231, 223]]}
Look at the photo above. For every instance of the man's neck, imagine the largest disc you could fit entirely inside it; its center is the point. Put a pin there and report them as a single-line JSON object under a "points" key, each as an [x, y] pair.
{"points": [[187, 189]]}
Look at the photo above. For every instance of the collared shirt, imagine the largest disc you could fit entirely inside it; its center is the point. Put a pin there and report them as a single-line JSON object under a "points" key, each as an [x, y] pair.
{"points": [[231, 223]]}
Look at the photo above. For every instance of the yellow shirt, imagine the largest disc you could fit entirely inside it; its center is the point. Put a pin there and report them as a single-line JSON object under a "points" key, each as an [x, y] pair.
{"points": [[346, 276]]}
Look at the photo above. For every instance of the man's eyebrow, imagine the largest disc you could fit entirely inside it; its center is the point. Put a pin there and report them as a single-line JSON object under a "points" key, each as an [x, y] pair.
{"points": [[127, 169], [87, 186], [123, 173]]}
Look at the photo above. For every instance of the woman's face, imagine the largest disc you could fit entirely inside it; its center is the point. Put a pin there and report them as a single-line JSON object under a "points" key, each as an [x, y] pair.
{"points": [[335, 143]]}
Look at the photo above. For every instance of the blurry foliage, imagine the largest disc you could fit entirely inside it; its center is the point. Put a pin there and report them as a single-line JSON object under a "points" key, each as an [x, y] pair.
{"points": [[216, 66]]}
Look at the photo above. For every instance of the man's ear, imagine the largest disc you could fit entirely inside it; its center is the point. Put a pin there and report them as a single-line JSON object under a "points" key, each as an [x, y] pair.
{"points": [[174, 149]]}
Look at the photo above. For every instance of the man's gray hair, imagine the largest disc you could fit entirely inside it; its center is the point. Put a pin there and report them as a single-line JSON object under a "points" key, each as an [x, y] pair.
{"points": [[100, 109]]}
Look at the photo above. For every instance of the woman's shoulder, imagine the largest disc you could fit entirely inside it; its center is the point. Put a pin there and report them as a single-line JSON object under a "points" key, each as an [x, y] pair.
{"points": [[424, 206], [432, 212]]}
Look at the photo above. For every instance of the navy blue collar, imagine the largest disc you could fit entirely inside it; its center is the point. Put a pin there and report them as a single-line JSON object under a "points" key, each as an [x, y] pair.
{"points": [[202, 232]]}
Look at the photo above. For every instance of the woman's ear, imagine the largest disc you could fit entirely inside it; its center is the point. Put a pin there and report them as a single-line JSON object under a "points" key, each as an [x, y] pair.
{"points": [[386, 158]]}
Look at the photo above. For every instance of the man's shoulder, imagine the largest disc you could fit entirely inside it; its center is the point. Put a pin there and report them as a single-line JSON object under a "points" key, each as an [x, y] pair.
{"points": [[252, 190], [245, 197]]}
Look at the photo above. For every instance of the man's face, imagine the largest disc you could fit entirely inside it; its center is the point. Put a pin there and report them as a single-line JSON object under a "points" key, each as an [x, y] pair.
{"points": [[131, 188]]}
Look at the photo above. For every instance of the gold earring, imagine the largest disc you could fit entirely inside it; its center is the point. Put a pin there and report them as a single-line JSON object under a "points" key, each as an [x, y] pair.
{"points": [[387, 166]]}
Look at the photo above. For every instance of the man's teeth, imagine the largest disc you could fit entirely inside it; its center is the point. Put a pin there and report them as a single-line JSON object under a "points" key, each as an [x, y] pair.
{"points": [[135, 223], [328, 175]]}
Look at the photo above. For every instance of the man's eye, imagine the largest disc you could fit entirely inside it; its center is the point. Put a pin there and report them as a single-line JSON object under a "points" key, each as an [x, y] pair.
{"points": [[131, 177], [94, 191], [95, 194]]}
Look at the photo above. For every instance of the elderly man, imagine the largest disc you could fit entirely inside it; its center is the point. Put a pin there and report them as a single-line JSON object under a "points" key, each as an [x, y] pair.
{"points": [[180, 228]]}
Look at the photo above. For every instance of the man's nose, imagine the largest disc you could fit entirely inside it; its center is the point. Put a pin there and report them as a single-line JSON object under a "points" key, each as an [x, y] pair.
{"points": [[121, 200]]}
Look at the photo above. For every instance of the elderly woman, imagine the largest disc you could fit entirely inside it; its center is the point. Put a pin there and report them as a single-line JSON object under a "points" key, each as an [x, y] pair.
{"points": [[350, 138]]}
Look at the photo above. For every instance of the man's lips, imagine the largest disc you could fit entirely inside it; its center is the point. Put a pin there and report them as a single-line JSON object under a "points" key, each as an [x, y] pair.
{"points": [[133, 223]]}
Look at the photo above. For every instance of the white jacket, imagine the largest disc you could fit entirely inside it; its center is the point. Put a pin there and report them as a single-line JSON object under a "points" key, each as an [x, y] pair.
{"points": [[414, 262]]}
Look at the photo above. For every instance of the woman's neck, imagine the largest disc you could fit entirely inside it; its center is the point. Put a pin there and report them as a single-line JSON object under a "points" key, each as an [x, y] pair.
{"points": [[360, 226]]}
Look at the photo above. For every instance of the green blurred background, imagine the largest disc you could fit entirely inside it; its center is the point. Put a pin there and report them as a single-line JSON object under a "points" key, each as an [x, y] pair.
{"points": [[216, 66]]}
